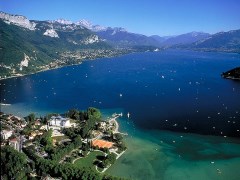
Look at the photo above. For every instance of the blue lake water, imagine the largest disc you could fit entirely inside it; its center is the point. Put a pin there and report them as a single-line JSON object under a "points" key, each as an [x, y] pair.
{"points": [[177, 101]]}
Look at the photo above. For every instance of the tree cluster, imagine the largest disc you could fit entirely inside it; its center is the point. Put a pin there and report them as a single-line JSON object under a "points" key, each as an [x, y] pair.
{"points": [[64, 170], [87, 121], [13, 164], [60, 152], [84, 115], [109, 159], [47, 141]]}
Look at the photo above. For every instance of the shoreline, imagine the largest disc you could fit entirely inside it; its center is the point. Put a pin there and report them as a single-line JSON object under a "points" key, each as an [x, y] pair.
{"points": [[80, 62], [42, 70], [231, 77], [113, 120]]}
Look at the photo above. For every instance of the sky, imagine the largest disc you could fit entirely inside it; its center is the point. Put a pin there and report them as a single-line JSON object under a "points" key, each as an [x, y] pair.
{"points": [[148, 17]]}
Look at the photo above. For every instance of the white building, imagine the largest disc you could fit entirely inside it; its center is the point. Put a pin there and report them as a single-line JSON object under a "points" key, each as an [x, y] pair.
{"points": [[6, 134], [59, 121]]}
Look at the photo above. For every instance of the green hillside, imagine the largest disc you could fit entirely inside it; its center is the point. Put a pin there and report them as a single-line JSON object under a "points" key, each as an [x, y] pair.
{"points": [[223, 41], [42, 50]]}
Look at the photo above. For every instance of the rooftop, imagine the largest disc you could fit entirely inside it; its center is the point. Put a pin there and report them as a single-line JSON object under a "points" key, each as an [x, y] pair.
{"points": [[13, 140], [102, 143]]}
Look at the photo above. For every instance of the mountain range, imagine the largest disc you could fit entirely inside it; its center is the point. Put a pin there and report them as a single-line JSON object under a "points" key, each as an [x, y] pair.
{"points": [[28, 46], [222, 41], [118, 36]]}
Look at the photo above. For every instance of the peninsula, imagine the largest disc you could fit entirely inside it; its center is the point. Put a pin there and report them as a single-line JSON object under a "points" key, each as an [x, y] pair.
{"points": [[76, 145], [232, 74]]}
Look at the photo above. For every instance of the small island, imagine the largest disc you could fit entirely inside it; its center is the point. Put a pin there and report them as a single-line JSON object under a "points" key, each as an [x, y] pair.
{"points": [[232, 74], [74, 145]]}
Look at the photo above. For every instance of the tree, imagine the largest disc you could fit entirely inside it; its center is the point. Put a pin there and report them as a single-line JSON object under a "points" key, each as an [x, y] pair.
{"points": [[117, 137], [111, 158], [82, 116], [122, 146], [30, 118], [84, 131], [70, 132], [44, 120], [47, 141], [86, 147], [93, 112], [13, 163], [104, 164], [73, 113], [106, 150], [77, 141]]}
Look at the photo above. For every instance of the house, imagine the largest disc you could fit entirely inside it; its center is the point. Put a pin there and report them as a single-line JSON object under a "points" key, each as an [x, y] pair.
{"points": [[104, 126], [13, 118], [15, 143], [16, 121], [102, 144], [59, 121], [34, 134], [6, 134], [37, 122], [96, 133], [23, 124]]}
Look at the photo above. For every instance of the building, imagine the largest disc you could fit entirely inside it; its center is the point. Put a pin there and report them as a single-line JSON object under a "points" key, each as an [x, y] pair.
{"points": [[24, 124], [37, 122], [15, 143], [59, 121], [6, 134], [34, 134]]}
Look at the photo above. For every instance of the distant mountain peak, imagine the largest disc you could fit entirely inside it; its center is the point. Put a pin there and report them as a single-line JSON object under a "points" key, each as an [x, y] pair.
{"points": [[85, 23], [97, 28], [18, 20], [63, 21], [89, 25], [119, 29]]}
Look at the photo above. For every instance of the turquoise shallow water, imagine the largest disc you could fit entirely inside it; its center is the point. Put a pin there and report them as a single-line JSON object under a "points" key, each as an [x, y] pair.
{"points": [[173, 97], [167, 155]]}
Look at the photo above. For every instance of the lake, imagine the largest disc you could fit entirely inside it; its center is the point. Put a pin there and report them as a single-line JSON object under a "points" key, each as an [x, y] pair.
{"points": [[184, 117]]}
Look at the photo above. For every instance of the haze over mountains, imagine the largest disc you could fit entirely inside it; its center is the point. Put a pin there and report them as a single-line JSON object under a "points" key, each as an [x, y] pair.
{"points": [[28, 46]]}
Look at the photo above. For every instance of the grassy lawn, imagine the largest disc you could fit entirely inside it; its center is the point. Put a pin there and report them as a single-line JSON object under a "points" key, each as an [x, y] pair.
{"points": [[89, 159]]}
